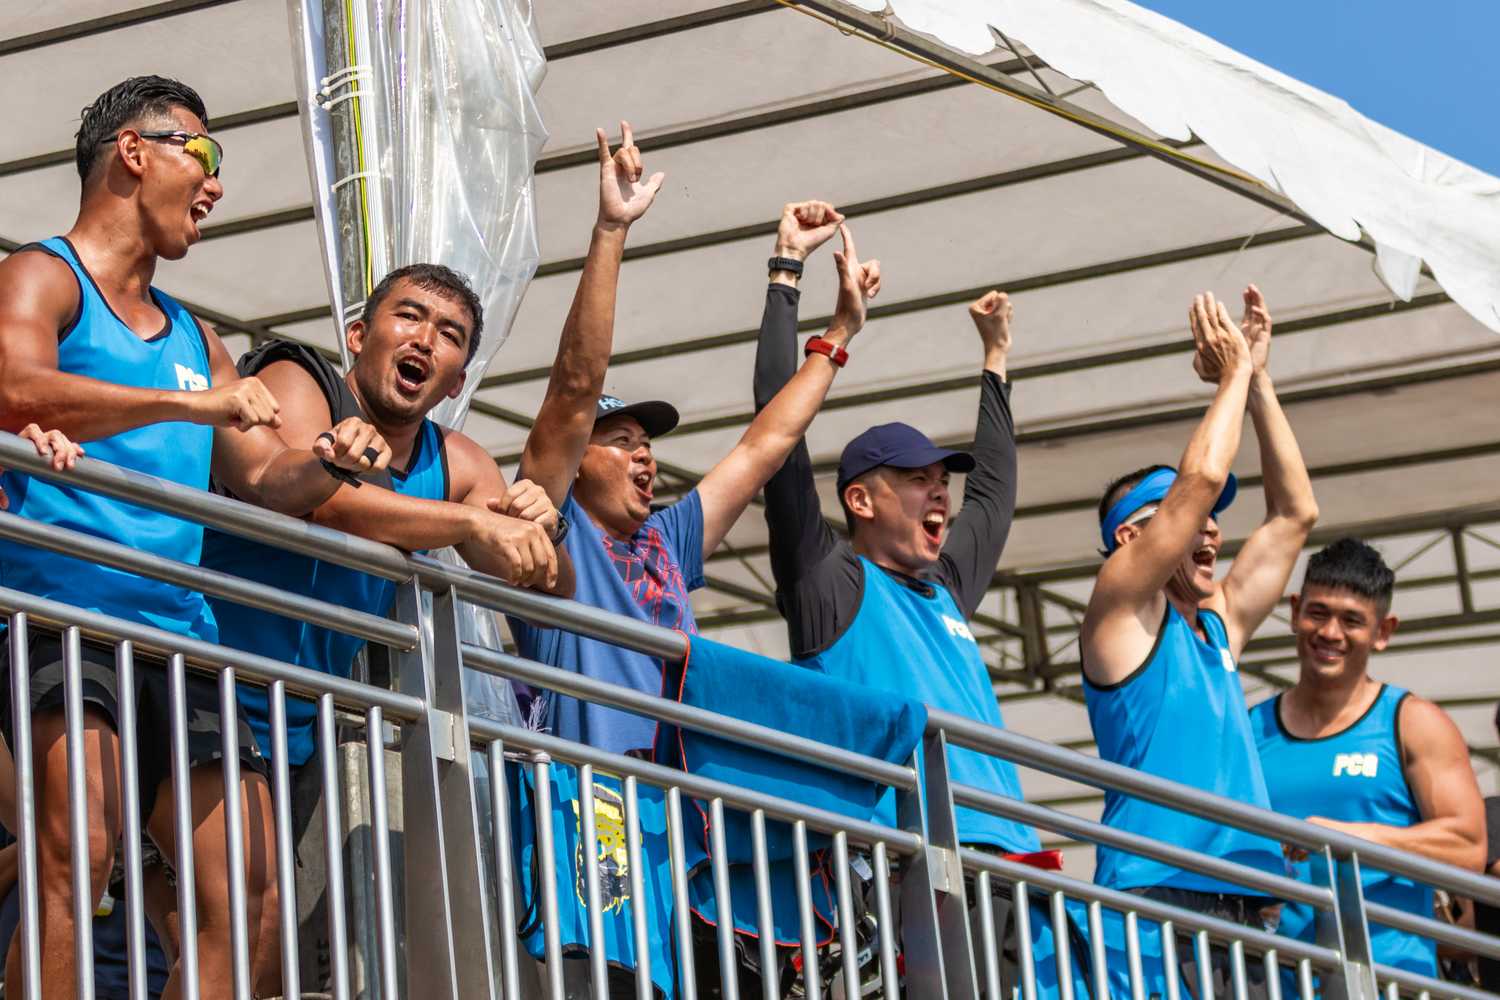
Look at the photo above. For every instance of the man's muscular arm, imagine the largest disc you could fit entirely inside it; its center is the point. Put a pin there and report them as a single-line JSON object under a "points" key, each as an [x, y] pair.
{"points": [[1258, 576], [1436, 761], [565, 419], [1116, 633], [38, 298]]}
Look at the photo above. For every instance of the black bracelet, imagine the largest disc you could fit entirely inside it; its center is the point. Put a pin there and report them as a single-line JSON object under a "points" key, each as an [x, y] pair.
{"points": [[342, 475], [561, 532], [788, 264]]}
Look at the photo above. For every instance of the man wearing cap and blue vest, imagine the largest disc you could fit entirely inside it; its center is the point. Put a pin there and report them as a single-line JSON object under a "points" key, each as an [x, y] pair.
{"points": [[1342, 750], [889, 606], [1161, 635]]}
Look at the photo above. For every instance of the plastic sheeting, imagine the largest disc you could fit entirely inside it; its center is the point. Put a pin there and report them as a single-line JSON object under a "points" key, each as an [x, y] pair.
{"points": [[1345, 171]]}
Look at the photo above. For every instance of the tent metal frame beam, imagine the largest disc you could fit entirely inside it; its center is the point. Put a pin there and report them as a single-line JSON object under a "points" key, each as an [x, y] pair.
{"points": [[108, 22]]}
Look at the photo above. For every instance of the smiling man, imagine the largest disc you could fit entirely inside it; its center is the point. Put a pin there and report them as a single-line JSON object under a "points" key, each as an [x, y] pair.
{"points": [[89, 347], [1161, 636], [1345, 751]]}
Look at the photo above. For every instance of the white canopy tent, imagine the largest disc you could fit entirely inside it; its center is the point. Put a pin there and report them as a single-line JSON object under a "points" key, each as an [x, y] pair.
{"points": [[957, 189]]}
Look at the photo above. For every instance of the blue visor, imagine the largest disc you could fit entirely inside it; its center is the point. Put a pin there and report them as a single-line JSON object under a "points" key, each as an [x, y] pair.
{"points": [[1153, 489]]}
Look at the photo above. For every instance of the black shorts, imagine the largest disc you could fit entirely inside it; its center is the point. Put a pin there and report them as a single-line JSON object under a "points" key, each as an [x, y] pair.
{"points": [[152, 707]]}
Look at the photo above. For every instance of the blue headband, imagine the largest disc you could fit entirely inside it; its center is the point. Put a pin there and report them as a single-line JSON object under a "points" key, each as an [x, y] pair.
{"points": [[1152, 489]]}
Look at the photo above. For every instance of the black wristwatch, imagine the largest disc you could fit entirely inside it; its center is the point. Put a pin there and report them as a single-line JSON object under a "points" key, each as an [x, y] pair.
{"points": [[562, 530], [790, 265]]}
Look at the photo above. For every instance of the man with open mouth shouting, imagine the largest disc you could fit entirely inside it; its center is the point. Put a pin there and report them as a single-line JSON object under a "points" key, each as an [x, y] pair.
{"points": [[1161, 635]]}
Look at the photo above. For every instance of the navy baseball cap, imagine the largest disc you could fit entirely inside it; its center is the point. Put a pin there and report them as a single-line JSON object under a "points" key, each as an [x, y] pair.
{"points": [[899, 445], [655, 417]]}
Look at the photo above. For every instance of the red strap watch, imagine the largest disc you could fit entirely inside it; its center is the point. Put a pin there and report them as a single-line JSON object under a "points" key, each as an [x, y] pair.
{"points": [[828, 349]]}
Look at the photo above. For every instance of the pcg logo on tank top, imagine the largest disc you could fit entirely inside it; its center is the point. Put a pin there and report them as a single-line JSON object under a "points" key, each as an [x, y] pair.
{"points": [[189, 380], [1355, 765], [958, 629]]}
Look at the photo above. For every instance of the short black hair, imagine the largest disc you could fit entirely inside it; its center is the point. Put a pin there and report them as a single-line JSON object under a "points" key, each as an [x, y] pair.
{"points": [[434, 278], [1116, 490], [1350, 564], [126, 102]]}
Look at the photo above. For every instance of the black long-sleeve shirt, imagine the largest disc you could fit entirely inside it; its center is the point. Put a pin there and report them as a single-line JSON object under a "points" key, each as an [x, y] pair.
{"points": [[819, 578]]}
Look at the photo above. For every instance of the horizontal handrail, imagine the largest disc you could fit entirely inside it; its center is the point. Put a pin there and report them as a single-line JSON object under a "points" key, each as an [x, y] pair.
{"points": [[208, 581], [342, 549], [1224, 930], [1071, 764], [695, 786], [688, 716], [1047, 818], [207, 656], [1437, 930]]}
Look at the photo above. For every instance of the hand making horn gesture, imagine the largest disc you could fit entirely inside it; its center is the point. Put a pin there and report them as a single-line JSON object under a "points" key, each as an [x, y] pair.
{"points": [[623, 197]]}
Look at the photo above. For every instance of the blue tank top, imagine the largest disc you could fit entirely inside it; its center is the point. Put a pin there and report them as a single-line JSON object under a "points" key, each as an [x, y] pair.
{"points": [[1181, 715], [311, 646], [99, 345], [919, 645], [1357, 776]]}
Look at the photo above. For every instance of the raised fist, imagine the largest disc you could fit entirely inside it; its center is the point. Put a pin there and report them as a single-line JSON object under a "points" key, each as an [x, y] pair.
{"points": [[992, 313], [623, 197], [805, 226], [354, 446], [241, 404]]}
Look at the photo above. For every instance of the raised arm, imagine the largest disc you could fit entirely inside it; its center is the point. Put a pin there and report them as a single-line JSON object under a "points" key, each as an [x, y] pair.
{"points": [[38, 297], [1128, 590], [258, 466], [776, 430], [977, 534], [1436, 762], [1257, 578], [799, 537], [560, 435]]}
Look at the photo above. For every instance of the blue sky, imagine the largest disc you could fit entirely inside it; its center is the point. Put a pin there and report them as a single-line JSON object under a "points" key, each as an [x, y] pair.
{"points": [[1427, 69]]}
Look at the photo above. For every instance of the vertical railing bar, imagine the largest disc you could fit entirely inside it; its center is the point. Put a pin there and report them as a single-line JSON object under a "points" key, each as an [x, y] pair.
{"points": [[1098, 951], [728, 973], [983, 900], [1273, 974], [640, 922], [286, 861], [546, 855], [333, 836], [1203, 956], [20, 700], [1237, 969], [234, 836], [1133, 955], [1392, 991], [505, 887], [588, 857], [380, 839], [182, 825], [1170, 969], [889, 973], [85, 897], [1305, 979], [130, 819], [812, 985], [1062, 946], [1021, 903], [682, 913], [848, 951], [765, 920]]}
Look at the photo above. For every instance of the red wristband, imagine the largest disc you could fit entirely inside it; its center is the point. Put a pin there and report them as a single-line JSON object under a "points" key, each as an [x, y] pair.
{"points": [[828, 349]]}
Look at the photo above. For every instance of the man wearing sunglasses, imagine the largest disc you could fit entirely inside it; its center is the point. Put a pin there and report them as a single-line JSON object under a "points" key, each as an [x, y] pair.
{"points": [[1161, 636], [91, 348]]}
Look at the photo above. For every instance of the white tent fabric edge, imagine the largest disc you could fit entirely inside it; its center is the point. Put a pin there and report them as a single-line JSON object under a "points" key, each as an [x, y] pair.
{"points": [[1346, 172]]}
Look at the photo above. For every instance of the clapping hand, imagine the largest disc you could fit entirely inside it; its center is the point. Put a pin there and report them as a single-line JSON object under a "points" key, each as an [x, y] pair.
{"points": [[623, 197], [1220, 348], [1256, 326]]}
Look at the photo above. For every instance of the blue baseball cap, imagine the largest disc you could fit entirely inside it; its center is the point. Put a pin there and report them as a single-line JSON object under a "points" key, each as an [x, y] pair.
{"points": [[899, 445], [655, 417], [1153, 489]]}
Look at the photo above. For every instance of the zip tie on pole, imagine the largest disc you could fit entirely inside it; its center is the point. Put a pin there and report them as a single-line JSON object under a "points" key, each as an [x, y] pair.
{"points": [[342, 76], [329, 103], [349, 178]]}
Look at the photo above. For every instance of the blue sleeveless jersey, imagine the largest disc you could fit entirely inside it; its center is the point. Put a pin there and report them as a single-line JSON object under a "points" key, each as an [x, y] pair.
{"points": [[296, 642], [919, 646], [99, 345], [1356, 776], [1181, 715]]}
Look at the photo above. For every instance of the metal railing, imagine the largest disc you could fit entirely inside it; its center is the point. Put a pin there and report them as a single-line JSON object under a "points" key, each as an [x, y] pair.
{"points": [[909, 927]]}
